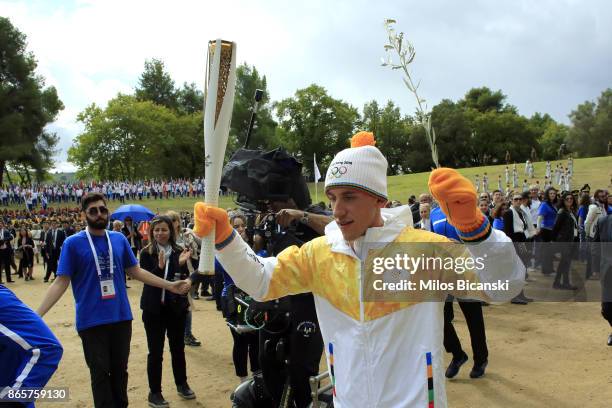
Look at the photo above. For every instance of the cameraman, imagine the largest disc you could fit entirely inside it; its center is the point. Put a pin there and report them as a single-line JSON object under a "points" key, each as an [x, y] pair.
{"points": [[275, 199], [301, 335], [246, 343]]}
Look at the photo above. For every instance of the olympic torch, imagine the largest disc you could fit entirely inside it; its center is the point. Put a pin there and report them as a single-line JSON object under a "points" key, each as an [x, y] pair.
{"points": [[219, 91]]}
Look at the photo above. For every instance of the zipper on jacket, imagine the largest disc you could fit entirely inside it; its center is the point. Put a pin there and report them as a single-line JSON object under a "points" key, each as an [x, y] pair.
{"points": [[364, 330]]}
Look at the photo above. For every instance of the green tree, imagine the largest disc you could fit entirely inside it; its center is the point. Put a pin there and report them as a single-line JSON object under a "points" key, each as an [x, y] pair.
{"points": [[484, 100], [263, 135], [130, 139], [417, 154], [454, 125], [581, 134], [553, 137], [188, 150], [156, 85], [190, 99], [592, 126], [370, 119], [550, 135], [494, 133], [26, 107], [314, 122], [391, 131]]}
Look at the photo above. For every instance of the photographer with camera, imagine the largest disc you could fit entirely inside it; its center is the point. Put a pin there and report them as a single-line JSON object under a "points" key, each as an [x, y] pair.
{"points": [[246, 340], [299, 335], [276, 203]]}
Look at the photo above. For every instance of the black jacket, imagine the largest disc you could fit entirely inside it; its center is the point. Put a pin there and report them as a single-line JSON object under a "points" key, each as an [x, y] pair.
{"points": [[150, 300], [509, 227], [6, 238], [55, 249], [28, 252], [563, 230], [416, 215], [137, 235]]}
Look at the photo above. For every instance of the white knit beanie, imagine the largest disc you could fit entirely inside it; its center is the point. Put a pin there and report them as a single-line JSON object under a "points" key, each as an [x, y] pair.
{"points": [[362, 166]]}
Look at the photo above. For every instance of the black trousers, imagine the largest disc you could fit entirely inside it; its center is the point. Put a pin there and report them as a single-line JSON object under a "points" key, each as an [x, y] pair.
{"points": [[246, 346], [27, 261], [546, 251], [606, 311], [568, 251], [107, 349], [52, 265], [472, 310], [205, 284], [304, 344], [606, 295], [5, 263], [157, 326]]}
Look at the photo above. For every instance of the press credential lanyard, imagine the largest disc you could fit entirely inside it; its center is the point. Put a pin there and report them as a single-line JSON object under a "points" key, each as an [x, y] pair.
{"points": [[107, 286]]}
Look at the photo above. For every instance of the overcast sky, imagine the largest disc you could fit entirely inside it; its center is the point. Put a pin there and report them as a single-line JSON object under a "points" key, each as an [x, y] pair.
{"points": [[546, 56]]}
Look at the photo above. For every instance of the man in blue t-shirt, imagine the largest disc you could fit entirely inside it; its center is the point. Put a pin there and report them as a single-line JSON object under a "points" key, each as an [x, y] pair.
{"points": [[95, 262]]}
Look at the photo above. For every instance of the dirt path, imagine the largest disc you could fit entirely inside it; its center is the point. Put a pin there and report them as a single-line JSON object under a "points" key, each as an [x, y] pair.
{"points": [[540, 355]]}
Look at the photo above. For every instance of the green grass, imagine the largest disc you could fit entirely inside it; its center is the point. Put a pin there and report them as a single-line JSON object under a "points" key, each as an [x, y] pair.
{"points": [[596, 171]]}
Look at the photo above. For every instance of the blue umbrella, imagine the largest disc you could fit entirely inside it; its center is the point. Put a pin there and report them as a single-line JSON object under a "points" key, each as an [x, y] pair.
{"points": [[137, 212]]}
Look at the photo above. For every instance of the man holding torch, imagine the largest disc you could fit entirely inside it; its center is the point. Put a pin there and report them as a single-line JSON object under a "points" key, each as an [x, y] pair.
{"points": [[380, 354]]}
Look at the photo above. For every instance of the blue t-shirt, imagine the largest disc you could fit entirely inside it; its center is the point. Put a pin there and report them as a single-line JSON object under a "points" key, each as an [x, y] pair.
{"points": [[549, 215], [77, 262], [498, 223], [582, 213], [440, 225]]}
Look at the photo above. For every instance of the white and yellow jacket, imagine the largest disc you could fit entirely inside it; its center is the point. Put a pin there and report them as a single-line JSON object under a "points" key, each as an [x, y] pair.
{"points": [[380, 354]]}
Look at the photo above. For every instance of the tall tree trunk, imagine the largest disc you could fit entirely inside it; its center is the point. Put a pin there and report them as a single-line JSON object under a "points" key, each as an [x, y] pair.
{"points": [[2, 164]]}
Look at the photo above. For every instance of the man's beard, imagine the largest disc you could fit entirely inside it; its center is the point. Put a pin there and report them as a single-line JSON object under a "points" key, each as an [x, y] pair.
{"points": [[98, 223]]}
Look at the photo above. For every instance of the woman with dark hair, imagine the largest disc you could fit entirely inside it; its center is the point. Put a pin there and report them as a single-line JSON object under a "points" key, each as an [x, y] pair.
{"points": [[131, 233], [25, 244], [185, 239], [483, 204], [565, 231], [547, 214], [498, 215], [164, 312]]}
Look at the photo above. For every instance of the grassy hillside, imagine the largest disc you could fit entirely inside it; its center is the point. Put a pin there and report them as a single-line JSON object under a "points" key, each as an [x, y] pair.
{"points": [[596, 171]]}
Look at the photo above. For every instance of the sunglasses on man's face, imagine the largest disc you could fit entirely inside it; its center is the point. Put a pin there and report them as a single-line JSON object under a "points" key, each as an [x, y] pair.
{"points": [[93, 211]]}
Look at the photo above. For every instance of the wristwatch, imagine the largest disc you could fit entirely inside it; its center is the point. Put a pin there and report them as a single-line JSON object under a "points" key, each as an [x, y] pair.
{"points": [[304, 219]]}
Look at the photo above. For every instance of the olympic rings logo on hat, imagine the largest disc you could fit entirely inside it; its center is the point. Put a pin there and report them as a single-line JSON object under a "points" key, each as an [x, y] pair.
{"points": [[338, 171]]}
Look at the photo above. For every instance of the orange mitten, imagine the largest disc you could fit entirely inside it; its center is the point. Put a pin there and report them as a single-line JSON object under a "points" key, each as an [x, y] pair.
{"points": [[458, 200], [206, 217]]}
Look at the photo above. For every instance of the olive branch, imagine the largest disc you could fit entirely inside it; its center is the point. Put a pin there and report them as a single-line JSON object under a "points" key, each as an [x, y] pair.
{"points": [[406, 53]]}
